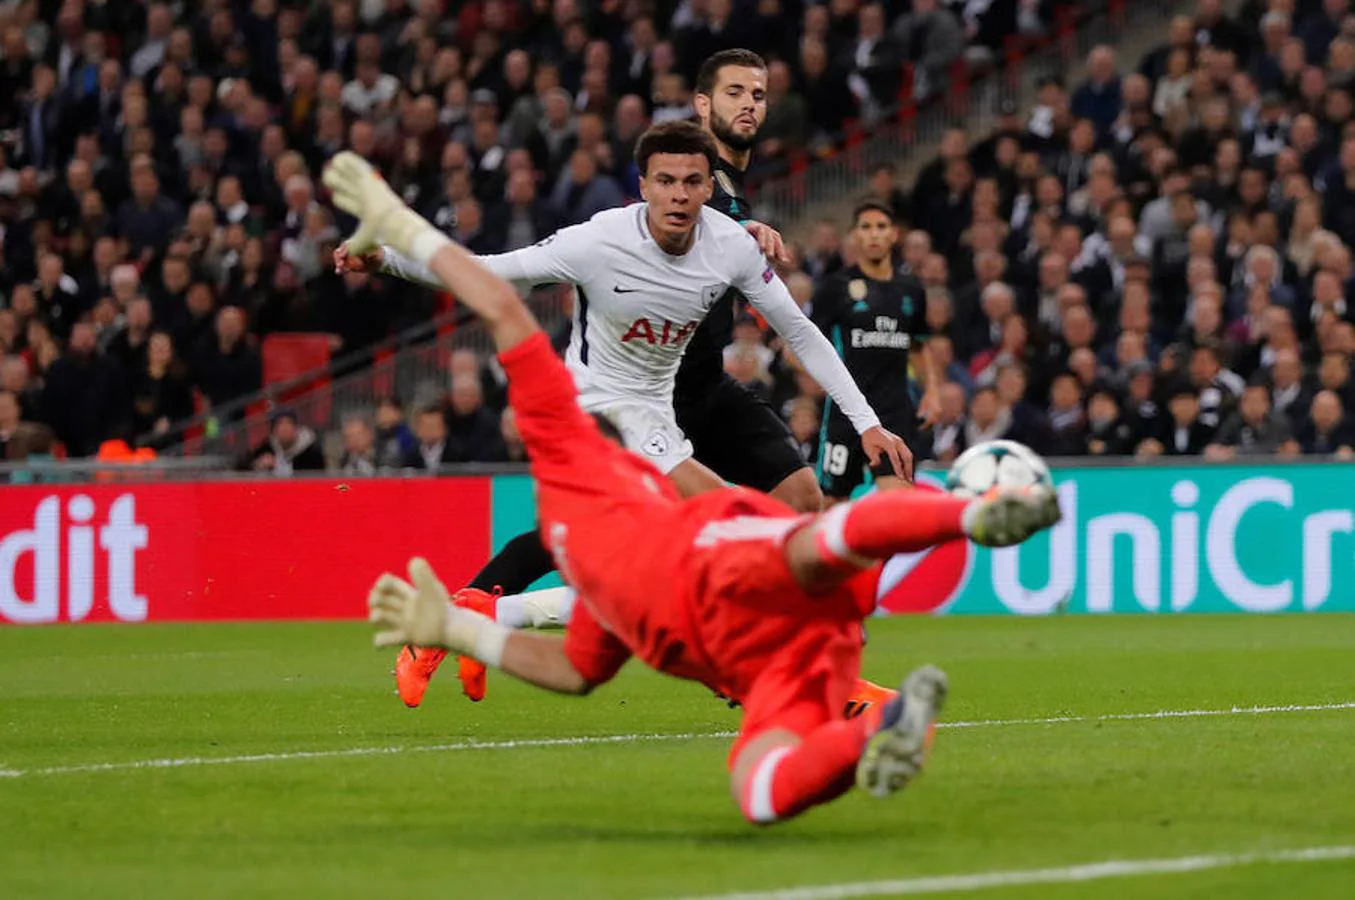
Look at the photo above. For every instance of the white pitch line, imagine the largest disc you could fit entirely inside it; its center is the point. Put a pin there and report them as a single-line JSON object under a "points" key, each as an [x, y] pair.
{"points": [[191, 761], [1161, 714], [950, 884], [589, 740]]}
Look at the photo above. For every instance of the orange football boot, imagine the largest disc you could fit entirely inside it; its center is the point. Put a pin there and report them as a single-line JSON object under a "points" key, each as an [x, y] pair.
{"points": [[473, 674], [866, 695], [413, 669]]}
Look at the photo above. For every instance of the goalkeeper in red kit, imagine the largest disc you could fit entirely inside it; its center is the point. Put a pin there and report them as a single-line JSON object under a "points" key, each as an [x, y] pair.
{"points": [[730, 589]]}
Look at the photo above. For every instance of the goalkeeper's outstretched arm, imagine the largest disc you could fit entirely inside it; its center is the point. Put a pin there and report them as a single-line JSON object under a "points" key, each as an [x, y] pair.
{"points": [[385, 219], [420, 612]]}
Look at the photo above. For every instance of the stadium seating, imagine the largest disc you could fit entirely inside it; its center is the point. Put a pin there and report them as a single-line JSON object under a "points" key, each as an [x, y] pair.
{"points": [[175, 160]]}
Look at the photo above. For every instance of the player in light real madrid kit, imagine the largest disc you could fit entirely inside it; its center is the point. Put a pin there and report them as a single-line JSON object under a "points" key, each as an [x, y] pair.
{"points": [[646, 276]]}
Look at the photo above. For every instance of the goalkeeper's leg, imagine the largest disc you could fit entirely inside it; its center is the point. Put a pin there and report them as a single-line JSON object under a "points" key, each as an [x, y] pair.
{"points": [[802, 755], [853, 537]]}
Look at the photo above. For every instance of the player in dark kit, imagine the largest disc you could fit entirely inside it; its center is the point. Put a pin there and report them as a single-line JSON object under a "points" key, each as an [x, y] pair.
{"points": [[875, 313], [733, 432]]}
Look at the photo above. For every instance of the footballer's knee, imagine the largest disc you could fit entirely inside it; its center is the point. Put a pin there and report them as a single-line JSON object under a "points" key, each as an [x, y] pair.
{"points": [[753, 772], [800, 491]]}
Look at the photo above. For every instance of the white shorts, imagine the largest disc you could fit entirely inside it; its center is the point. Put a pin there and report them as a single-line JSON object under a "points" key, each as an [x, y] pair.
{"points": [[650, 432]]}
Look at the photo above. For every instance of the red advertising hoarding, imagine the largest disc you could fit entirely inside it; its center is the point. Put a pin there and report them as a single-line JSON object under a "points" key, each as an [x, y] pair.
{"points": [[305, 549]]}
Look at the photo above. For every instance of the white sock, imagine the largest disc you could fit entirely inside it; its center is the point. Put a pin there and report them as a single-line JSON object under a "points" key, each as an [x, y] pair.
{"points": [[548, 608]]}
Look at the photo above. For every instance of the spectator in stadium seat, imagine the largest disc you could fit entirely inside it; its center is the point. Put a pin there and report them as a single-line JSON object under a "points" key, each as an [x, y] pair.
{"points": [[801, 288], [1326, 430], [160, 389], [550, 143], [988, 419], [951, 369], [997, 304], [370, 91], [1029, 425], [948, 434], [10, 420], [471, 230], [1067, 419], [823, 256], [431, 449], [193, 326], [227, 367], [1185, 434], [823, 88], [1289, 396], [472, 433], [583, 191], [1078, 331], [745, 365], [930, 187], [1333, 374], [1108, 433], [84, 397], [1214, 28], [1321, 27], [56, 295], [168, 290], [1082, 363], [931, 39], [393, 436], [952, 211], [15, 378], [360, 450], [43, 117], [9, 331], [97, 280], [787, 123], [289, 448], [147, 218], [1254, 429], [872, 62], [1099, 99], [803, 419], [1142, 411], [1180, 37]]}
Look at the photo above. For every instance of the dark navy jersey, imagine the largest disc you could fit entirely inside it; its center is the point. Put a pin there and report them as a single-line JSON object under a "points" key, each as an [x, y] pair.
{"points": [[874, 325], [703, 363]]}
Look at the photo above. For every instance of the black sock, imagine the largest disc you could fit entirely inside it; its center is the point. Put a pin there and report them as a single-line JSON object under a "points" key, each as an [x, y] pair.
{"points": [[521, 561]]}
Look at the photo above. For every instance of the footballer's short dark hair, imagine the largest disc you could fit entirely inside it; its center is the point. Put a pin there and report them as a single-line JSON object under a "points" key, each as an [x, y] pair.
{"points": [[676, 137], [709, 73], [872, 204]]}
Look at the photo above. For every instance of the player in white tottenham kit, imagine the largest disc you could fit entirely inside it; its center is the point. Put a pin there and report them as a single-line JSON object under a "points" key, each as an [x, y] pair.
{"points": [[646, 276]]}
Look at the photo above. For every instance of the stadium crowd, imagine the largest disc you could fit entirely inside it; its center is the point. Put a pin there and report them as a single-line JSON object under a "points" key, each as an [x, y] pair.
{"points": [[159, 161], [1155, 261]]}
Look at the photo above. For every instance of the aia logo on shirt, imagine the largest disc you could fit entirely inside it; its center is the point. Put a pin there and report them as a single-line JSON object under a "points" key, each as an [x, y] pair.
{"points": [[664, 334]]}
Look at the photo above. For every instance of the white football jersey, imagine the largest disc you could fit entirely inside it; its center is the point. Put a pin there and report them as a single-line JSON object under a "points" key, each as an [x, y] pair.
{"points": [[638, 306]]}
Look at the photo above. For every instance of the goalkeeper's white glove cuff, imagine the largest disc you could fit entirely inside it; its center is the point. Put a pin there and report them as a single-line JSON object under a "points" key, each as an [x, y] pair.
{"points": [[426, 244], [472, 634]]}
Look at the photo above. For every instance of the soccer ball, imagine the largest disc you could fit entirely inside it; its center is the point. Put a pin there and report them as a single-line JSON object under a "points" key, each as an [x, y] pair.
{"points": [[996, 464]]}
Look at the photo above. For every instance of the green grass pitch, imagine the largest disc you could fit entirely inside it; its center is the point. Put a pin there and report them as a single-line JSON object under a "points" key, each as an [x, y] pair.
{"points": [[652, 817]]}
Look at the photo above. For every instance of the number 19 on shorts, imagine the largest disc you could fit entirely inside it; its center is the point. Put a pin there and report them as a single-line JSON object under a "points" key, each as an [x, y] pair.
{"points": [[836, 457]]}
